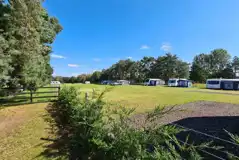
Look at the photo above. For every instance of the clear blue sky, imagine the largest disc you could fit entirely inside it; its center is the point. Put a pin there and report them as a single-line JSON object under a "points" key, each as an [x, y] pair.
{"points": [[97, 33]]}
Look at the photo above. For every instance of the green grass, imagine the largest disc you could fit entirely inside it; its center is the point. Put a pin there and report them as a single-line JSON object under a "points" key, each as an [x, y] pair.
{"points": [[22, 127], [22, 130], [145, 98]]}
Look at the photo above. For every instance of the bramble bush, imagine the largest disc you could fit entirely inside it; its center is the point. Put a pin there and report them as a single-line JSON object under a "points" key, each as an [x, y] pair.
{"points": [[90, 129]]}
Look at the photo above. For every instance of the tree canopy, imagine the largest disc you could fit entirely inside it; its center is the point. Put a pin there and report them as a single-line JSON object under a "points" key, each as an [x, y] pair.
{"points": [[216, 64], [27, 32]]}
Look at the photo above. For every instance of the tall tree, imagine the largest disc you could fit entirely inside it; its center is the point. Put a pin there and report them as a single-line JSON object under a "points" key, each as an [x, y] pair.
{"points": [[235, 66], [95, 77], [169, 66], [26, 34], [5, 57], [200, 69], [146, 67], [217, 64], [219, 60]]}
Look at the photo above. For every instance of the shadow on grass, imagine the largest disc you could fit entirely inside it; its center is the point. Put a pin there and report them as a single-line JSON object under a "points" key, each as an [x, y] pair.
{"points": [[57, 141], [213, 126]]}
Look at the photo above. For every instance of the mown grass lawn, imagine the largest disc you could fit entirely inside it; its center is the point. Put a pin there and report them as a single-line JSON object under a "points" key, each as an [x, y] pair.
{"points": [[22, 127], [145, 98]]}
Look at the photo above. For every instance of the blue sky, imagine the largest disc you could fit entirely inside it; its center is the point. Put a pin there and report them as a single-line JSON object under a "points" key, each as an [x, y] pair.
{"points": [[97, 33]]}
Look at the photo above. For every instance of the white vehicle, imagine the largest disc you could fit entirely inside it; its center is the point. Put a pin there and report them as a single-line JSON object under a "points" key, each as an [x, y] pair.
{"points": [[55, 83], [173, 82], [213, 84], [154, 82], [123, 82], [87, 82]]}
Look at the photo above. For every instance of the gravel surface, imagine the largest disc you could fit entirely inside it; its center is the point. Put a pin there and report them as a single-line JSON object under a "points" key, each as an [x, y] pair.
{"points": [[212, 118], [195, 109]]}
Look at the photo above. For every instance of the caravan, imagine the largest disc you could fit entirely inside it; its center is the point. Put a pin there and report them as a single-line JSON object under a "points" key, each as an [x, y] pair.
{"points": [[213, 84], [154, 82], [173, 82], [226, 84]]}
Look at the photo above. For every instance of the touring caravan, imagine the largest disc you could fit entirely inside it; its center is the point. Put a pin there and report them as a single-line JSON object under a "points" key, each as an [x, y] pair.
{"points": [[185, 83], [226, 84], [213, 84], [173, 82], [154, 82]]}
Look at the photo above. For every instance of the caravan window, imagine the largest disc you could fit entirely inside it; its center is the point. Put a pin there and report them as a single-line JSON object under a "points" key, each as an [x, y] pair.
{"points": [[213, 82], [172, 81]]}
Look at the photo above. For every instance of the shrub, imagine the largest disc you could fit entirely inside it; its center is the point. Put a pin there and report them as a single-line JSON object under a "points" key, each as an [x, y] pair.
{"points": [[92, 130]]}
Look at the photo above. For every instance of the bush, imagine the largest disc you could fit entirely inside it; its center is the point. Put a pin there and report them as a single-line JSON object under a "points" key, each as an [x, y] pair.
{"points": [[92, 130]]}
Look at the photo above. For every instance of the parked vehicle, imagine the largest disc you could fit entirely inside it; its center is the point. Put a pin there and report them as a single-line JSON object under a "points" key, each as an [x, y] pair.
{"points": [[123, 82], [213, 84], [115, 83], [173, 82], [55, 82], [106, 82], [185, 83], [226, 84], [87, 82], [154, 82]]}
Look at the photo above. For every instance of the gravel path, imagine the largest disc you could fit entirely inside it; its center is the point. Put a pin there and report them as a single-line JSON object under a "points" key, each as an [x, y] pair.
{"points": [[195, 109], [212, 118]]}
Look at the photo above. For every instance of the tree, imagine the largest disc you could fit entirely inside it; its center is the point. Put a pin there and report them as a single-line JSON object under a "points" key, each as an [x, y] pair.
{"points": [[72, 79], [235, 66], [169, 66], [219, 60], [145, 67], [105, 75], [182, 69], [82, 78], [65, 79], [59, 78], [96, 77], [214, 65], [197, 73], [5, 57], [26, 34], [135, 72]]}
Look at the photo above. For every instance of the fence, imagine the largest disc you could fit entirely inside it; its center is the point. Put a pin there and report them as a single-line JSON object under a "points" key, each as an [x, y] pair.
{"points": [[19, 96]]}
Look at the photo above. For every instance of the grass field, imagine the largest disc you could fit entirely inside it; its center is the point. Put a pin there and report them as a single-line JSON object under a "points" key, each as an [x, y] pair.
{"points": [[145, 98], [22, 127]]}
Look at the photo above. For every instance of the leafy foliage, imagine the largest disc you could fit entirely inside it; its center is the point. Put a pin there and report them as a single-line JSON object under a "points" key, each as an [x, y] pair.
{"points": [[26, 34], [165, 67], [91, 130], [217, 64]]}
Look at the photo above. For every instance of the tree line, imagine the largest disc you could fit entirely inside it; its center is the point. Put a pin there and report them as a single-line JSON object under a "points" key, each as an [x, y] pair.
{"points": [[26, 34], [216, 64]]}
